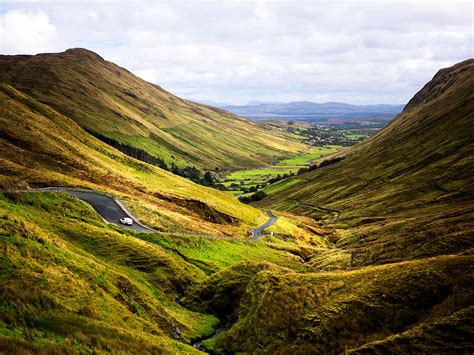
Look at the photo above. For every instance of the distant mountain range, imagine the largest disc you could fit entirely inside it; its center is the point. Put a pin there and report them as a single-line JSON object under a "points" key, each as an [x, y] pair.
{"points": [[311, 111]]}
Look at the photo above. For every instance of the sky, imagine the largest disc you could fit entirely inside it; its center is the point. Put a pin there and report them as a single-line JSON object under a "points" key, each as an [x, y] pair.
{"points": [[240, 51]]}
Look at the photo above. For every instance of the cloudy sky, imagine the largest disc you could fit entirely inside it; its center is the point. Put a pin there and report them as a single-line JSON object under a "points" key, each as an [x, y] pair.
{"points": [[238, 51]]}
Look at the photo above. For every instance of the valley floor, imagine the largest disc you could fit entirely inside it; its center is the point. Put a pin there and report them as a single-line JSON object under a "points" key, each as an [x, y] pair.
{"points": [[249, 180]]}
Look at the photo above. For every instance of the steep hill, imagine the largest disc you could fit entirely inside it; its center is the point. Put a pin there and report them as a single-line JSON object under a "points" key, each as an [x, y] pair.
{"points": [[408, 191], [399, 275], [41, 147], [105, 98], [71, 283]]}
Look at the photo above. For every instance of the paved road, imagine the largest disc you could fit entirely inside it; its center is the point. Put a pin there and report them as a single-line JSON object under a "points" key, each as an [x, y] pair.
{"points": [[257, 232], [112, 209], [109, 208]]}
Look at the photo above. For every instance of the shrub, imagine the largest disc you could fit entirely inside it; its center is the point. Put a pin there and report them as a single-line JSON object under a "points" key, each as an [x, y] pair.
{"points": [[259, 195], [245, 199]]}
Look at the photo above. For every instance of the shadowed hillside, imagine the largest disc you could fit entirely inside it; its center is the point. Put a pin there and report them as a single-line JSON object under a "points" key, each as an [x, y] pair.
{"points": [[107, 99], [408, 191], [41, 147], [73, 284], [379, 260]]}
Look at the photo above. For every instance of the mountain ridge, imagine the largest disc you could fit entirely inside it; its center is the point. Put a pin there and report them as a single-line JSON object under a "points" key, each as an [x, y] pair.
{"points": [[317, 112], [112, 101], [421, 160]]}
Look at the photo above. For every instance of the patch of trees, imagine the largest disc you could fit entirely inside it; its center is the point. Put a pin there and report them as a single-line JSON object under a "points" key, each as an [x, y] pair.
{"points": [[190, 172], [254, 188], [279, 177], [259, 195], [194, 174], [133, 152], [322, 164], [276, 178]]}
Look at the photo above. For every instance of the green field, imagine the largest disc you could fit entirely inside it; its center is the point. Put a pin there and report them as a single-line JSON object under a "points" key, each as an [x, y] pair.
{"points": [[251, 177], [356, 136], [304, 159]]}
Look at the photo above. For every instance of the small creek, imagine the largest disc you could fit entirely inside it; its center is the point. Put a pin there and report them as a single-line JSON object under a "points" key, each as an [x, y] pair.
{"points": [[198, 343]]}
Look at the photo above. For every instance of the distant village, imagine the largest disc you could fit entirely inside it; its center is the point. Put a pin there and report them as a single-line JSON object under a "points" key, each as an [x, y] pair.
{"points": [[339, 134]]}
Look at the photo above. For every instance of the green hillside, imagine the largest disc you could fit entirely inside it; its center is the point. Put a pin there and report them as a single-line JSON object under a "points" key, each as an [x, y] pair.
{"points": [[40, 147], [407, 192], [107, 99], [370, 254], [70, 282]]}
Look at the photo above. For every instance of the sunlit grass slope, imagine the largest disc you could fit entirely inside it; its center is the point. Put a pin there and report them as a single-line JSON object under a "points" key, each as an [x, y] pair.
{"points": [[41, 147], [70, 283], [108, 99], [407, 192], [381, 263]]}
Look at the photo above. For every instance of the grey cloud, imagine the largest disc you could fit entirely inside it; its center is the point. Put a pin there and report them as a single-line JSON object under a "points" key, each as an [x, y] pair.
{"points": [[239, 51]]}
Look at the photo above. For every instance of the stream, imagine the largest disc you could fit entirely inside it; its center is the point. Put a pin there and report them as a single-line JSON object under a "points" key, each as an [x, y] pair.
{"points": [[197, 344]]}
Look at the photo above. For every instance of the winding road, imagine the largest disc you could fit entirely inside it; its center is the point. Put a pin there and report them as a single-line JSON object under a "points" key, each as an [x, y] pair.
{"points": [[112, 209], [109, 208], [257, 232]]}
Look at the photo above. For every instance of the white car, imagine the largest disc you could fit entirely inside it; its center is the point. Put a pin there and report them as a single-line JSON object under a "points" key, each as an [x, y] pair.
{"points": [[126, 220]]}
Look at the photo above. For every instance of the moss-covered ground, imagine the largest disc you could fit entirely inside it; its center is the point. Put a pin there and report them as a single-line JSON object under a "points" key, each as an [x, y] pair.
{"points": [[72, 283]]}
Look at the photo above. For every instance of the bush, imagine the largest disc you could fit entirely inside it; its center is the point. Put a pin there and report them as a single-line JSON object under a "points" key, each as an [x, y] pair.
{"points": [[302, 170], [259, 195], [245, 199], [330, 161], [208, 178]]}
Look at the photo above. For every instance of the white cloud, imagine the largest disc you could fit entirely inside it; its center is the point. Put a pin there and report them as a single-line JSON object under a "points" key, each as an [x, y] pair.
{"points": [[236, 51], [24, 32]]}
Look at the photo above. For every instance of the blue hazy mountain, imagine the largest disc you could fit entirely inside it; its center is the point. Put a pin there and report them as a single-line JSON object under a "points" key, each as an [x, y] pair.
{"points": [[311, 111]]}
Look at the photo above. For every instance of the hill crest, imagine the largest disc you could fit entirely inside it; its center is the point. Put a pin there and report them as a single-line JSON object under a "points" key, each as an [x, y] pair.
{"points": [[407, 191], [441, 82], [105, 98]]}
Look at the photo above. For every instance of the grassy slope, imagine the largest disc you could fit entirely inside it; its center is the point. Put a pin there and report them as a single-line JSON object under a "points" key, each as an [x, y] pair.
{"points": [[399, 275], [71, 283], [106, 98], [407, 191], [415, 306], [41, 147]]}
